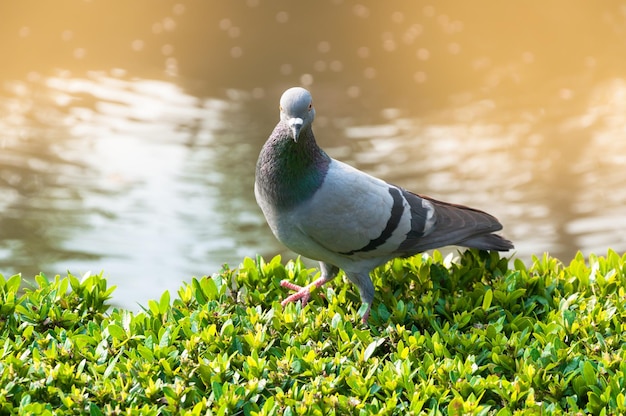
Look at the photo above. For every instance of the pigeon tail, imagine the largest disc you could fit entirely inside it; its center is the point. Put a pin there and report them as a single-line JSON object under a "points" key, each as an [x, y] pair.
{"points": [[460, 226], [488, 242]]}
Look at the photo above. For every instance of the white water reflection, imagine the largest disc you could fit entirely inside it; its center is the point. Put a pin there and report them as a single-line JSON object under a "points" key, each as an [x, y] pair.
{"points": [[137, 185], [601, 208]]}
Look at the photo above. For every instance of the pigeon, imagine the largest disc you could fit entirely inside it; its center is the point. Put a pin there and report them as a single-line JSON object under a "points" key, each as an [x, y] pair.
{"points": [[346, 219]]}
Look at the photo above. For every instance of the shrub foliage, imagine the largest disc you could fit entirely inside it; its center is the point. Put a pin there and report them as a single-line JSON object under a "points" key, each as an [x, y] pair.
{"points": [[476, 335]]}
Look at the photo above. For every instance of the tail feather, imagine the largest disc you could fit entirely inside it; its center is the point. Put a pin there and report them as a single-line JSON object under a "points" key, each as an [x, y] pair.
{"points": [[488, 242], [460, 226]]}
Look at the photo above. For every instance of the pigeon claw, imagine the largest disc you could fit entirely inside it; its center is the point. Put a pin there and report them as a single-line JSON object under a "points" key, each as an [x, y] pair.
{"points": [[303, 293]]}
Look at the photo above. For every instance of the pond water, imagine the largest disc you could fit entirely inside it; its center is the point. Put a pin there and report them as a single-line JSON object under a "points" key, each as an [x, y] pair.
{"points": [[129, 132]]}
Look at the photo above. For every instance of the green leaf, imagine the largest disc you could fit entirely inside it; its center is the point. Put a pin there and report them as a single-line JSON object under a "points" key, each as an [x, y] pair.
{"points": [[164, 340], [217, 390], [111, 367], [383, 313], [334, 323], [198, 291], [268, 406], [63, 285], [209, 288], [13, 284], [589, 373], [26, 400], [164, 303], [369, 351], [117, 332], [227, 328], [74, 283], [145, 352], [154, 307], [42, 280], [487, 298], [94, 410]]}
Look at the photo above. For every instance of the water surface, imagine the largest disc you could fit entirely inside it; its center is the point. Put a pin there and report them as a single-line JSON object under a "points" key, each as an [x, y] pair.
{"points": [[129, 133]]}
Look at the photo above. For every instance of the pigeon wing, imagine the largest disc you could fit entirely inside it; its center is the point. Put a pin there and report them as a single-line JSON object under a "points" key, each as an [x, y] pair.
{"points": [[356, 215]]}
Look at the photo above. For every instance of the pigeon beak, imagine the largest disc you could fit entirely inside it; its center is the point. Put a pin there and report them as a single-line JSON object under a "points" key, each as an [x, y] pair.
{"points": [[295, 124]]}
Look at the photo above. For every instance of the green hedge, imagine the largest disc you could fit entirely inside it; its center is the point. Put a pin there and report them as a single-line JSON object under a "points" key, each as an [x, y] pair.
{"points": [[472, 336]]}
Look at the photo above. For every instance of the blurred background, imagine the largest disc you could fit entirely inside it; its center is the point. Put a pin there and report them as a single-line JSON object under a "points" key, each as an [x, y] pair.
{"points": [[129, 130]]}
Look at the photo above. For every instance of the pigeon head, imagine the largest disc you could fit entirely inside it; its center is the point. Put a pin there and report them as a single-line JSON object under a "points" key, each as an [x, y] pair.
{"points": [[296, 110]]}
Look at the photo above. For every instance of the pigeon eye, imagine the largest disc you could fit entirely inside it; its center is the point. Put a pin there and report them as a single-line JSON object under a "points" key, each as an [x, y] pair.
{"points": [[310, 106]]}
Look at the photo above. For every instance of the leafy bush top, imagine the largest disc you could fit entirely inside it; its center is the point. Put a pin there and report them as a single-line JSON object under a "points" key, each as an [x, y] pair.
{"points": [[470, 336]]}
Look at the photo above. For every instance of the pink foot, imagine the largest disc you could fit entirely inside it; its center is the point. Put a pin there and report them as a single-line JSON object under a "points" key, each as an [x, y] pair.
{"points": [[303, 293]]}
